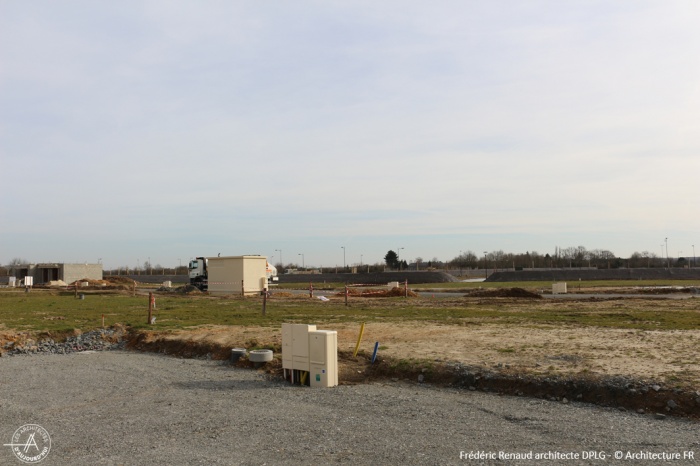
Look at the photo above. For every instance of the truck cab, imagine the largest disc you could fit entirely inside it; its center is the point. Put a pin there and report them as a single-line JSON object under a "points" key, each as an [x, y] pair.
{"points": [[197, 270]]}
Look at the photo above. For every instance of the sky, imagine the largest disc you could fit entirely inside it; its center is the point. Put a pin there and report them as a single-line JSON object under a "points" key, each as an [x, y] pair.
{"points": [[330, 132]]}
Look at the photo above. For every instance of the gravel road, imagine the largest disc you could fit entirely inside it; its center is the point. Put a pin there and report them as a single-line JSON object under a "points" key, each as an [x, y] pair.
{"points": [[128, 408]]}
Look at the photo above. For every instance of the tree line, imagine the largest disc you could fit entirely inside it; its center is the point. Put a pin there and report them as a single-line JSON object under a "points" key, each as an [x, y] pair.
{"points": [[570, 257]]}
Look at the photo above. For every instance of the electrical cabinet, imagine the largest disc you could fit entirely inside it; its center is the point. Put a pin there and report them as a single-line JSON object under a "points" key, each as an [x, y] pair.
{"points": [[323, 358], [287, 346], [295, 346]]}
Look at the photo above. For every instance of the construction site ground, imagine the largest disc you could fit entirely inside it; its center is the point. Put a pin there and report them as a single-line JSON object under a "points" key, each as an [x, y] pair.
{"points": [[644, 369]]}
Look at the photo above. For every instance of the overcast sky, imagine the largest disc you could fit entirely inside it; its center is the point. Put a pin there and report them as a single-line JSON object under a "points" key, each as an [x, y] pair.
{"points": [[171, 129]]}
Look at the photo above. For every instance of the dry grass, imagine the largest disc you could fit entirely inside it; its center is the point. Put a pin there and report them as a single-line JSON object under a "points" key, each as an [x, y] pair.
{"points": [[654, 339]]}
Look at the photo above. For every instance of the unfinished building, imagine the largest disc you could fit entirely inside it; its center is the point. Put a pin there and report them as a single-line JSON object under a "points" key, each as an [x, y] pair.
{"points": [[47, 272]]}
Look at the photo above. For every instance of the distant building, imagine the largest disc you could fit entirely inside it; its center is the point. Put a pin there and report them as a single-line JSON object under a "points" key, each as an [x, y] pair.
{"points": [[44, 273]]}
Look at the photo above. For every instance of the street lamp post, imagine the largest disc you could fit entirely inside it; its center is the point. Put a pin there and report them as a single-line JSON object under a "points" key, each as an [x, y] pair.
{"points": [[397, 256], [693, 256], [668, 260], [303, 265], [343, 247], [486, 267], [280, 251]]}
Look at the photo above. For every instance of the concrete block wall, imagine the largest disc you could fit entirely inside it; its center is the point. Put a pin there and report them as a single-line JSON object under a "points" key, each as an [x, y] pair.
{"points": [[73, 272]]}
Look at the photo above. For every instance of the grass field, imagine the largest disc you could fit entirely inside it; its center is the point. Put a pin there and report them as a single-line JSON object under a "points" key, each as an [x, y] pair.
{"points": [[647, 338], [44, 310]]}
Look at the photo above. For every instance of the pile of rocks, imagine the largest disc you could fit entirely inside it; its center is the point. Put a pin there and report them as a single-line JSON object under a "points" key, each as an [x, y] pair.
{"points": [[95, 340]]}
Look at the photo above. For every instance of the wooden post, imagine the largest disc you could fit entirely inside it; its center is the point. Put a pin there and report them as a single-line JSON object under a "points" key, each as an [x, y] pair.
{"points": [[311, 290], [346, 295], [150, 307], [76, 290], [406, 288], [264, 301]]}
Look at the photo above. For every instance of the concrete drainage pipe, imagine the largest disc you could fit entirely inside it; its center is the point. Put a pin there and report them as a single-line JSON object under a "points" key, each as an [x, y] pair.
{"points": [[236, 354], [260, 356]]}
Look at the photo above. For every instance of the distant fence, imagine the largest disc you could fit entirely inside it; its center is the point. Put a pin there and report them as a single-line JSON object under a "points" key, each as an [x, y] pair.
{"points": [[156, 278], [380, 278], [598, 274]]}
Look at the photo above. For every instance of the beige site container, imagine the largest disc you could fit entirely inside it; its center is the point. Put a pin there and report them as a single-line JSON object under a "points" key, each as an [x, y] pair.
{"points": [[237, 275]]}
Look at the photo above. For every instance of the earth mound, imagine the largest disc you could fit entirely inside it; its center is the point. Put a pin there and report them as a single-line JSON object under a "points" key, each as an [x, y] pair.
{"points": [[187, 289], [375, 293]]}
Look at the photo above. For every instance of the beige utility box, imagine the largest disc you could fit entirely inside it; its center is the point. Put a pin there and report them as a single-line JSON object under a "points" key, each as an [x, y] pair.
{"points": [[237, 275], [295, 346], [323, 358], [559, 288]]}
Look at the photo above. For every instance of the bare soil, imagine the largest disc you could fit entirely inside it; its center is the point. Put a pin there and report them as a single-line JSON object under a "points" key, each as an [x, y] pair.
{"points": [[506, 357], [544, 350]]}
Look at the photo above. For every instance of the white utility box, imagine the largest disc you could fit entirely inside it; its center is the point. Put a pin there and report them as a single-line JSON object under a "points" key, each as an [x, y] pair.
{"points": [[295, 346], [559, 288], [323, 358]]}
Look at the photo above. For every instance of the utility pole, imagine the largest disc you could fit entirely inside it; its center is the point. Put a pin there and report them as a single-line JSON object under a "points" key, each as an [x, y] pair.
{"points": [[280, 251]]}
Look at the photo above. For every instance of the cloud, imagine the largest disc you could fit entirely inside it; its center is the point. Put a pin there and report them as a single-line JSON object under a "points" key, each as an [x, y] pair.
{"points": [[339, 120]]}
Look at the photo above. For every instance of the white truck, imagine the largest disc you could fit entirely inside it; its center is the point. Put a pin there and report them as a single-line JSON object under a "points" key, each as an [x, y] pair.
{"points": [[199, 275]]}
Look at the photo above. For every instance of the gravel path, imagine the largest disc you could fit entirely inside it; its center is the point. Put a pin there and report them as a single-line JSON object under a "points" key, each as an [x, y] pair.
{"points": [[126, 408]]}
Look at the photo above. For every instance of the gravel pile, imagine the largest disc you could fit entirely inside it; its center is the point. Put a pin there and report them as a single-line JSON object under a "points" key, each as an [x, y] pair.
{"points": [[96, 340]]}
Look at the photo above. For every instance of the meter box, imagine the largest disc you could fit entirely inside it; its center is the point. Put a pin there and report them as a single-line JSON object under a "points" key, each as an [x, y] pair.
{"points": [[323, 358], [295, 346]]}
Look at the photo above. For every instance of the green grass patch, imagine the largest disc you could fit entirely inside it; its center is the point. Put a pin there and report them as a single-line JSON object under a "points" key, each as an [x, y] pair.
{"points": [[48, 311]]}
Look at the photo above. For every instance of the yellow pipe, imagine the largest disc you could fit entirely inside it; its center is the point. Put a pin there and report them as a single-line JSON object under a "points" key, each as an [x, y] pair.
{"points": [[359, 339], [303, 377]]}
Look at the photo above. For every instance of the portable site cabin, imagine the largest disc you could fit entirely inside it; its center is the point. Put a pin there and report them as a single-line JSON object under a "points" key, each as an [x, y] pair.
{"points": [[237, 275]]}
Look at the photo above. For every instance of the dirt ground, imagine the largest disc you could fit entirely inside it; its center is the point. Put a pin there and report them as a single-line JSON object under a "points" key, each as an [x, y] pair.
{"points": [[576, 350], [648, 355]]}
